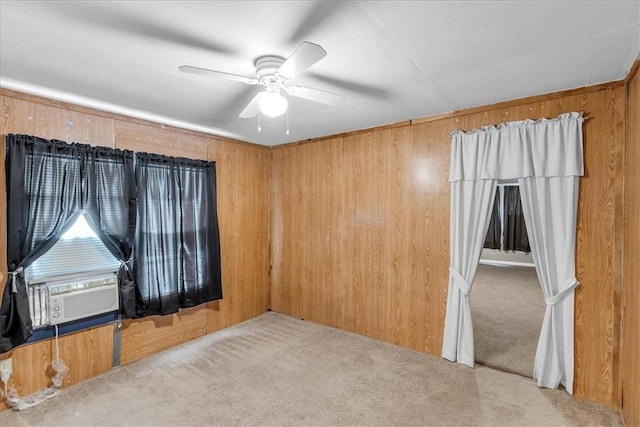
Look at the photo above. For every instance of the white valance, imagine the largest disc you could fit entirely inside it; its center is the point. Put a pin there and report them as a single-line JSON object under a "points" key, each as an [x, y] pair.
{"points": [[546, 157], [527, 148]]}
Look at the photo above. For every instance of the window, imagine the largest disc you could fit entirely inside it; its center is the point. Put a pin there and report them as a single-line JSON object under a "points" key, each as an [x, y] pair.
{"points": [[78, 254], [176, 261], [177, 253], [507, 230]]}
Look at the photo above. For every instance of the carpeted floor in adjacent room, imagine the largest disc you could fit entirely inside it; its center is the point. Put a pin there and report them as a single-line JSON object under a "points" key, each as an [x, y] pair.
{"points": [[277, 370], [507, 308]]}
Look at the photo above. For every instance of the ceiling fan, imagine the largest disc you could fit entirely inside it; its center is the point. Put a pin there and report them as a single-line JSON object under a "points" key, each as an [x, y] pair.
{"points": [[275, 73]]}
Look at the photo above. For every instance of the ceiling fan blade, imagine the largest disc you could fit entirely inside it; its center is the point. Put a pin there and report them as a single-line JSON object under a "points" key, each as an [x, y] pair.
{"points": [[316, 95], [206, 72], [251, 110], [302, 58], [351, 85], [318, 14]]}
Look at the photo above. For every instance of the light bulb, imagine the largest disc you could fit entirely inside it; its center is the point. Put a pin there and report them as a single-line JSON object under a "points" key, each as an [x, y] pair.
{"points": [[273, 104]]}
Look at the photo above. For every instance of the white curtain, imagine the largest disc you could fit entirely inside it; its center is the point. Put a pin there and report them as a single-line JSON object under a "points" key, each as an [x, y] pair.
{"points": [[546, 156], [471, 203], [550, 206]]}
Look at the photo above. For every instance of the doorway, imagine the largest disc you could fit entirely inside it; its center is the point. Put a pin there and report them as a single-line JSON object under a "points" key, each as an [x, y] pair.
{"points": [[507, 308], [508, 304]]}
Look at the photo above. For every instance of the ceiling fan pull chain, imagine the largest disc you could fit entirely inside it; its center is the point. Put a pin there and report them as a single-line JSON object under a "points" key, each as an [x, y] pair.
{"points": [[287, 121], [259, 127]]}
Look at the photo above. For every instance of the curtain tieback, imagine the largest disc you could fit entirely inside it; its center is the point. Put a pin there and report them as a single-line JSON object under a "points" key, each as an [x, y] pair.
{"points": [[460, 281], [124, 264], [569, 286], [14, 282]]}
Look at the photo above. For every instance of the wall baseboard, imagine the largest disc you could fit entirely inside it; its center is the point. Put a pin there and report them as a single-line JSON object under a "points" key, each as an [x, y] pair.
{"points": [[505, 263]]}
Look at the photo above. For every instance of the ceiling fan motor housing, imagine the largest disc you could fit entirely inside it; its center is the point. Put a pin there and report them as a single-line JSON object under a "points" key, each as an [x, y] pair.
{"points": [[267, 69]]}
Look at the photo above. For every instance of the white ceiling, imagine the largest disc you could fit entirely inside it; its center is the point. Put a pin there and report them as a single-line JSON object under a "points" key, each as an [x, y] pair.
{"points": [[392, 60]]}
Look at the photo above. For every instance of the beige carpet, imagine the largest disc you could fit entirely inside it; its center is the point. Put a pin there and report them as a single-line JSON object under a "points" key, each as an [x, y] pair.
{"points": [[275, 370], [507, 308]]}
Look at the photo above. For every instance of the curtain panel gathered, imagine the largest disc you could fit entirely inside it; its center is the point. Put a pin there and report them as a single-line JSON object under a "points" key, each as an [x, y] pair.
{"points": [[49, 184], [111, 212], [468, 229], [550, 207], [546, 158], [177, 256]]}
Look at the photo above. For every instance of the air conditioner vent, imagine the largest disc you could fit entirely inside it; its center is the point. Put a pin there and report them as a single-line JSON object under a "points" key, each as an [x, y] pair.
{"points": [[79, 299]]}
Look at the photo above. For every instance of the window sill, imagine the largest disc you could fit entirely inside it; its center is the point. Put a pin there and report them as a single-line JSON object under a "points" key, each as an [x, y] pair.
{"points": [[48, 332]]}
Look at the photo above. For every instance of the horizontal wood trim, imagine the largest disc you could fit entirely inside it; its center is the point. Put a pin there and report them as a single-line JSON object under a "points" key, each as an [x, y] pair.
{"points": [[632, 72], [345, 134], [522, 101], [466, 111]]}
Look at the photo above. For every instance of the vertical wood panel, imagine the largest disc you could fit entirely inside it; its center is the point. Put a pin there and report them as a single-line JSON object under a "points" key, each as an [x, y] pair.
{"points": [[243, 193], [631, 293], [597, 316], [143, 337], [393, 213], [347, 222], [86, 353], [147, 139], [280, 296], [31, 118]]}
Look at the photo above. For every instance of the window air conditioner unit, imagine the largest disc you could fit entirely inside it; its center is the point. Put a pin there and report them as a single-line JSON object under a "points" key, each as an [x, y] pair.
{"points": [[78, 299]]}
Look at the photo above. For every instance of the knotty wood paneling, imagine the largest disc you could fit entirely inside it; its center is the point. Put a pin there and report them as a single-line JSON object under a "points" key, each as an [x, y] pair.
{"points": [[243, 209], [360, 230], [631, 293]]}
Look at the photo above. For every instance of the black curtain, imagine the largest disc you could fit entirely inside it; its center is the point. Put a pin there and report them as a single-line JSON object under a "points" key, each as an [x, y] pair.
{"points": [[44, 191], [515, 231], [50, 183], [492, 241], [177, 255], [111, 213]]}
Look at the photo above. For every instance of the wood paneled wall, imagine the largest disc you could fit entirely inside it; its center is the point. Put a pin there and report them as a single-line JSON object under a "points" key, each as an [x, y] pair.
{"points": [[359, 233], [631, 295], [360, 229], [356, 234], [243, 174]]}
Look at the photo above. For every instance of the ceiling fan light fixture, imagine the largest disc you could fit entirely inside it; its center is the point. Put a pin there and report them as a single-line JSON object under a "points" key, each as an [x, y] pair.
{"points": [[273, 104]]}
